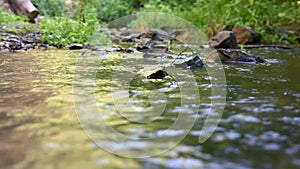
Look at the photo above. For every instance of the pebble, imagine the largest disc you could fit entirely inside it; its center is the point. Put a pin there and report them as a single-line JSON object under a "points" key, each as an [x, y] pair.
{"points": [[27, 41]]}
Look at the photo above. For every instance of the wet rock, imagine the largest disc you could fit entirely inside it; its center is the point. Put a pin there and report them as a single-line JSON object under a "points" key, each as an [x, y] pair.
{"points": [[75, 46], [153, 72], [155, 43], [224, 40], [217, 57], [194, 63], [150, 46], [130, 38], [11, 42], [130, 50], [226, 51], [165, 34], [159, 74], [144, 39], [145, 45], [246, 35], [232, 56], [159, 48], [133, 35]]}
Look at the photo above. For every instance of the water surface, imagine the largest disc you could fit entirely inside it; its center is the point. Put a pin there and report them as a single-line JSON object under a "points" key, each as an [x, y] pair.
{"points": [[39, 126]]}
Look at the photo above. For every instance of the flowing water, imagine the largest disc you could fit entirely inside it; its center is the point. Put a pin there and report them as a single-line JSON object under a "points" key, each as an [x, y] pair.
{"points": [[39, 127]]}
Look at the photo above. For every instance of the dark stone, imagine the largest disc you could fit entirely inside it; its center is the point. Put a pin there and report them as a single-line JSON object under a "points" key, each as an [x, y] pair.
{"points": [[246, 35], [130, 50], [150, 46], [218, 56], [160, 74], [224, 40], [259, 60], [75, 46], [194, 63], [145, 45], [232, 56]]}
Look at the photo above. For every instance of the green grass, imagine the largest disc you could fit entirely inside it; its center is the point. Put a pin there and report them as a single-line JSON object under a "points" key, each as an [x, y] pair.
{"points": [[15, 23], [61, 30]]}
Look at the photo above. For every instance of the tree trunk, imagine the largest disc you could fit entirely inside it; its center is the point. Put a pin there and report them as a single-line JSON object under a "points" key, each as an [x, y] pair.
{"points": [[21, 7]]}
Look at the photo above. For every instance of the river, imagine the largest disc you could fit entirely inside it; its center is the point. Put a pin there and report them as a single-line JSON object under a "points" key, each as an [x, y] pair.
{"points": [[39, 126]]}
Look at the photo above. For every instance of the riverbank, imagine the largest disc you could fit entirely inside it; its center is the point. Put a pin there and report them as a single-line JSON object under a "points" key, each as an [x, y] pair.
{"points": [[274, 23], [14, 38]]}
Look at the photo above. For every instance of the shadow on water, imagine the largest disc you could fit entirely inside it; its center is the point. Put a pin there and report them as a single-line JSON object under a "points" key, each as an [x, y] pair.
{"points": [[39, 126]]}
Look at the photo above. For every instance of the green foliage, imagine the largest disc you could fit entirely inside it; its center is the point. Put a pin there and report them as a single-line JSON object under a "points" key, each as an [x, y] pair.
{"points": [[9, 19], [157, 20], [158, 6], [15, 23], [61, 31], [213, 16], [109, 10], [50, 7]]}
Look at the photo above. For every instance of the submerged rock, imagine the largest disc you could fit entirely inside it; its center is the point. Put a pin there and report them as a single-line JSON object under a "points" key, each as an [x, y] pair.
{"points": [[232, 56], [150, 44], [246, 35], [224, 40]]}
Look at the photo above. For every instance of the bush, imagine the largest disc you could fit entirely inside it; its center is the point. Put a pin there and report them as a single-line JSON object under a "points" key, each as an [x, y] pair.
{"points": [[214, 16], [109, 10], [50, 7], [61, 31]]}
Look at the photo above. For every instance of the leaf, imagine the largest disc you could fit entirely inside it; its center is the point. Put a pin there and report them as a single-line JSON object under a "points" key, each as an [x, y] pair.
{"points": [[281, 14], [251, 2]]}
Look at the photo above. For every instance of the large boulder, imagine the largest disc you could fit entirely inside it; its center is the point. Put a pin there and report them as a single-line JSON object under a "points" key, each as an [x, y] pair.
{"points": [[246, 35], [224, 40]]}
